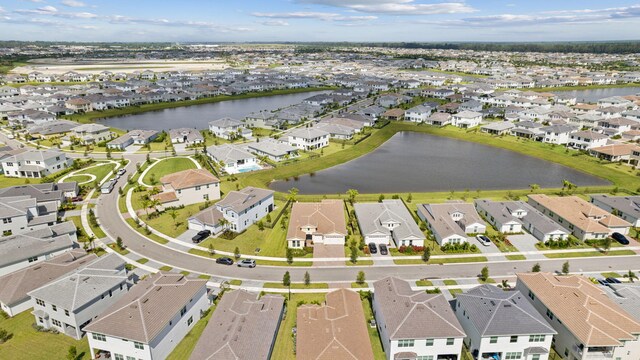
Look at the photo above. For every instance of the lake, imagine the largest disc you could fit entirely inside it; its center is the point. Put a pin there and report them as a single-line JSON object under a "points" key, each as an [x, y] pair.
{"points": [[417, 162], [199, 116], [593, 95]]}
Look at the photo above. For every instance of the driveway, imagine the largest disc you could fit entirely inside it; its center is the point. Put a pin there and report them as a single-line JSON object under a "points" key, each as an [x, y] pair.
{"points": [[526, 243], [491, 249], [328, 251]]}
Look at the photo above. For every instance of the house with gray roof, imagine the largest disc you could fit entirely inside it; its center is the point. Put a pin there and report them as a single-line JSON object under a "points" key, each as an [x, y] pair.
{"points": [[244, 326], [245, 207], [35, 163], [19, 214], [229, 129], [89, 134], [627, 295], [415, 325], [387, 221], [150, 319], [133, 137], [418, 113], [22, 250], [451, 222], [557, 134], [625, 207], [52, 128], [15, 286], [43, 192], [502, 325], [273, 149], [185, 135], [71, 302], [497, 128], [308, 138], [233, 158]]}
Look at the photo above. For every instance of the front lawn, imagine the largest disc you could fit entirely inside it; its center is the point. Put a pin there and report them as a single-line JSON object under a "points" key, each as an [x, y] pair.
{"points": [[312, 285], [27, 343], [589, 254], [166, 224], [13, 181], [185, 347], [165, 167]]}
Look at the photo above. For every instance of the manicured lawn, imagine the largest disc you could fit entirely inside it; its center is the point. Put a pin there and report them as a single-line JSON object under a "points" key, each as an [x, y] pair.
{"points": [[611, 274], [589, 254], [165, 268], [27, 343], [424, 283], [115, 248], [11, 181], [450, 282], [313, 285], [376, 343], [166, 225], [184, 348], [359, 262], [80, 179], [455, 292], [142, 260], [165, 167], [488, 281], [235, 282], [284, 347], [153, 237], [78, 223], [355, 285], [516, 257], [100, 171], [452, 260]]}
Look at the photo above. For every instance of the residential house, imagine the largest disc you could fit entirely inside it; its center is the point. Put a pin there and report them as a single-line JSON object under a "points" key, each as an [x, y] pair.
{"points": [[497, 128], [617, 152], [627, 296], [71, 302], [502, 325], [335, 330], [466, 119], [187, 187], [415, 325], [150, 320], [388, 222], [15, 286], [90, 134], [239, 210], [229, 129], [439, 119], [308, 138], [186, 136], [21, 214], [451, 222], [585, 140], [395, 114], [588, 323], [557, 134], [233, 158], [471, 105], [52, 128], [133, 137], [35, 163], [528, 130], [625, 207], [418, 113], [43, 193], [244, 326], [273, 149], [22, 250], [317, 223], [584, 220]]}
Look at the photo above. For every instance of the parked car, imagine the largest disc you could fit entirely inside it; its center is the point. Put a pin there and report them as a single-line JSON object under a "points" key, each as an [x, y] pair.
{"points": [[613, 280], [483, 240], [372, 248], [602, 282], [224, 260], [201, 235], [121, 172], [383, 249], [620, 238], [250, 263], [76, 199]]}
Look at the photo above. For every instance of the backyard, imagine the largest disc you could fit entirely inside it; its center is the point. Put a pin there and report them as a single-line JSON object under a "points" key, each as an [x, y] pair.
{"points": [[165, 167]]}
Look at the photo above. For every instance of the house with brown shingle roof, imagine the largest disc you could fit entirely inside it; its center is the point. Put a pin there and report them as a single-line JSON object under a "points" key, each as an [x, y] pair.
{"points": [[583, 219], [589, 324], [335, 330], [188, 187], [415, 325], [616, 152], [149, 320], [317, 223]]}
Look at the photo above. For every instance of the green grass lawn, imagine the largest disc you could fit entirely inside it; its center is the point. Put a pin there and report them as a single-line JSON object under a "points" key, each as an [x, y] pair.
{"points": [[78, 223], [153, 237], [142, 260], [488, 281], [165, 167], [99, 171], [452, 260], [184, 348], [165, 268], [355, 285], [376, 343], [27, 343], [11, 181], [449, 282], [516, 257], [611, 274], [424, 283], [455, 292], [115, 248], [284, 347], [235, 282], [80, 179], [313, 285], [589, 254], [166, 225]]}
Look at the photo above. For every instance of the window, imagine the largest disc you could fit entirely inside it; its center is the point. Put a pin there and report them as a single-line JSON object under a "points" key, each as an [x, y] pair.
{"points": [[138, 345], [536, 338], [56, 323], [549, 314], [7, 221], [425, 357], [99, 337], [118, 357], [130, 358], [406, 343], [450, 341], [55, 308], [183, 310], [190, 320], [531, 295], [513, 339], [32, 259], [429, 342], [493, 340], [66, 312], [535, 357], [198, 188], [39, 302], [512, 355]]}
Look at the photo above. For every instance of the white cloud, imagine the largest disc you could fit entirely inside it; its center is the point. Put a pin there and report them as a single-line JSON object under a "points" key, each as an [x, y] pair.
{"points": [[52, 11], [313, 15], [396, 7], [73, 3], [119, 19], [275, 23]]}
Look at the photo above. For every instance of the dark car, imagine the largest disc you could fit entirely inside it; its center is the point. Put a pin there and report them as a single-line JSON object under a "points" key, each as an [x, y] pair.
{"points": [[201, 235], [383, 249], [613, 280], [224, 260], [602, 282], [76, 199], [620, 238], [372, 248]]}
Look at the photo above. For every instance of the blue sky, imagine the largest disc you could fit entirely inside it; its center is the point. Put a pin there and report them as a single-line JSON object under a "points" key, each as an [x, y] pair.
{"points": [[318, 20]]}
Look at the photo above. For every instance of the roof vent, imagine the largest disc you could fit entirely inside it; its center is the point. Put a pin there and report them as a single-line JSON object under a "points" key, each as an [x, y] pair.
{"points": [[145, 300]]}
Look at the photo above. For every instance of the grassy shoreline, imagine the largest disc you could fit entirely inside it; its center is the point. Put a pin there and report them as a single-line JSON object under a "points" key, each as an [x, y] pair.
{"points": [[580, 87]]}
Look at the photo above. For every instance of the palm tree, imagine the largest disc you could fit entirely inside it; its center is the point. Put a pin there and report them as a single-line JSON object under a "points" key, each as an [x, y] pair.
{"points": [[223, 223], [631, 275], [534, 187], [155, 203], [293, 193], [174, 215], [145, 201], [352, 193]]}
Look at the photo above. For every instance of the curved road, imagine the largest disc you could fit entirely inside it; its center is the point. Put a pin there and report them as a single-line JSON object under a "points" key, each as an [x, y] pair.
{"points": [[112, 224]]}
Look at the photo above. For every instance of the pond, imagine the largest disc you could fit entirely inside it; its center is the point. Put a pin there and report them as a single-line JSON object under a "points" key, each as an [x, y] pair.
{"points": [[593, 95], [198, 116], [417, 162]]}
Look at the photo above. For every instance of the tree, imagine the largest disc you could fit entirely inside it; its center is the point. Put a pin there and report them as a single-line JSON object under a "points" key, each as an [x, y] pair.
{"points": [[631, 275], [351, 194], [360, 278], [289, 256], [505, 284], [353, 252], [380, 198], [534, 187], [145, 201], [536, 268], [484, 273], [119, 243], [293, 193], [212, 250], [260, 225], [174, 215], [426, 254], [223, 223], [307, 278], [409, 198], [72, 354], [565, 268], [286, 279], [236, 253], [606, 246]]}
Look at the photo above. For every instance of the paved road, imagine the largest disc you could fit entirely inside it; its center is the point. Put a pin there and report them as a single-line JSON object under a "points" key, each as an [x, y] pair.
{"points": [[107, 210]]}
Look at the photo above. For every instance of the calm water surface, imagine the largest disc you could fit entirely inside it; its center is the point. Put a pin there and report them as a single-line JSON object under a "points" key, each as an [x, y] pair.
{"points": [[416, 162], [198, 116], [593, 95]]}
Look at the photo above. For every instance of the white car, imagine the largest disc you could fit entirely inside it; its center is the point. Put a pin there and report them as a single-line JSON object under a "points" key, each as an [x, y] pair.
{"points": [[483, 240]]}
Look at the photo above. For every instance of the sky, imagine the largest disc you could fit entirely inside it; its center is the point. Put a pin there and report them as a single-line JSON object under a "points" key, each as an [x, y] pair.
{"points": [[319, 20]]}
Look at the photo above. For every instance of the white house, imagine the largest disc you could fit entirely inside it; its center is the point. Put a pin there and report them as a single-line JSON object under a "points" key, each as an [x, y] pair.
{"points": [[514, 329], [227, 128], [557, 134], [414, 324], [316, 223], [90, 133], [585, 140], [625, 207], [190, 186], [308, 138], [20, 214], [451, 222], [233, 158], [150, 320], [389, 223], [273, 149], [466, 119], [186, 136], [35, 163], [133, 137], [69, 303], [418, 113]]}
